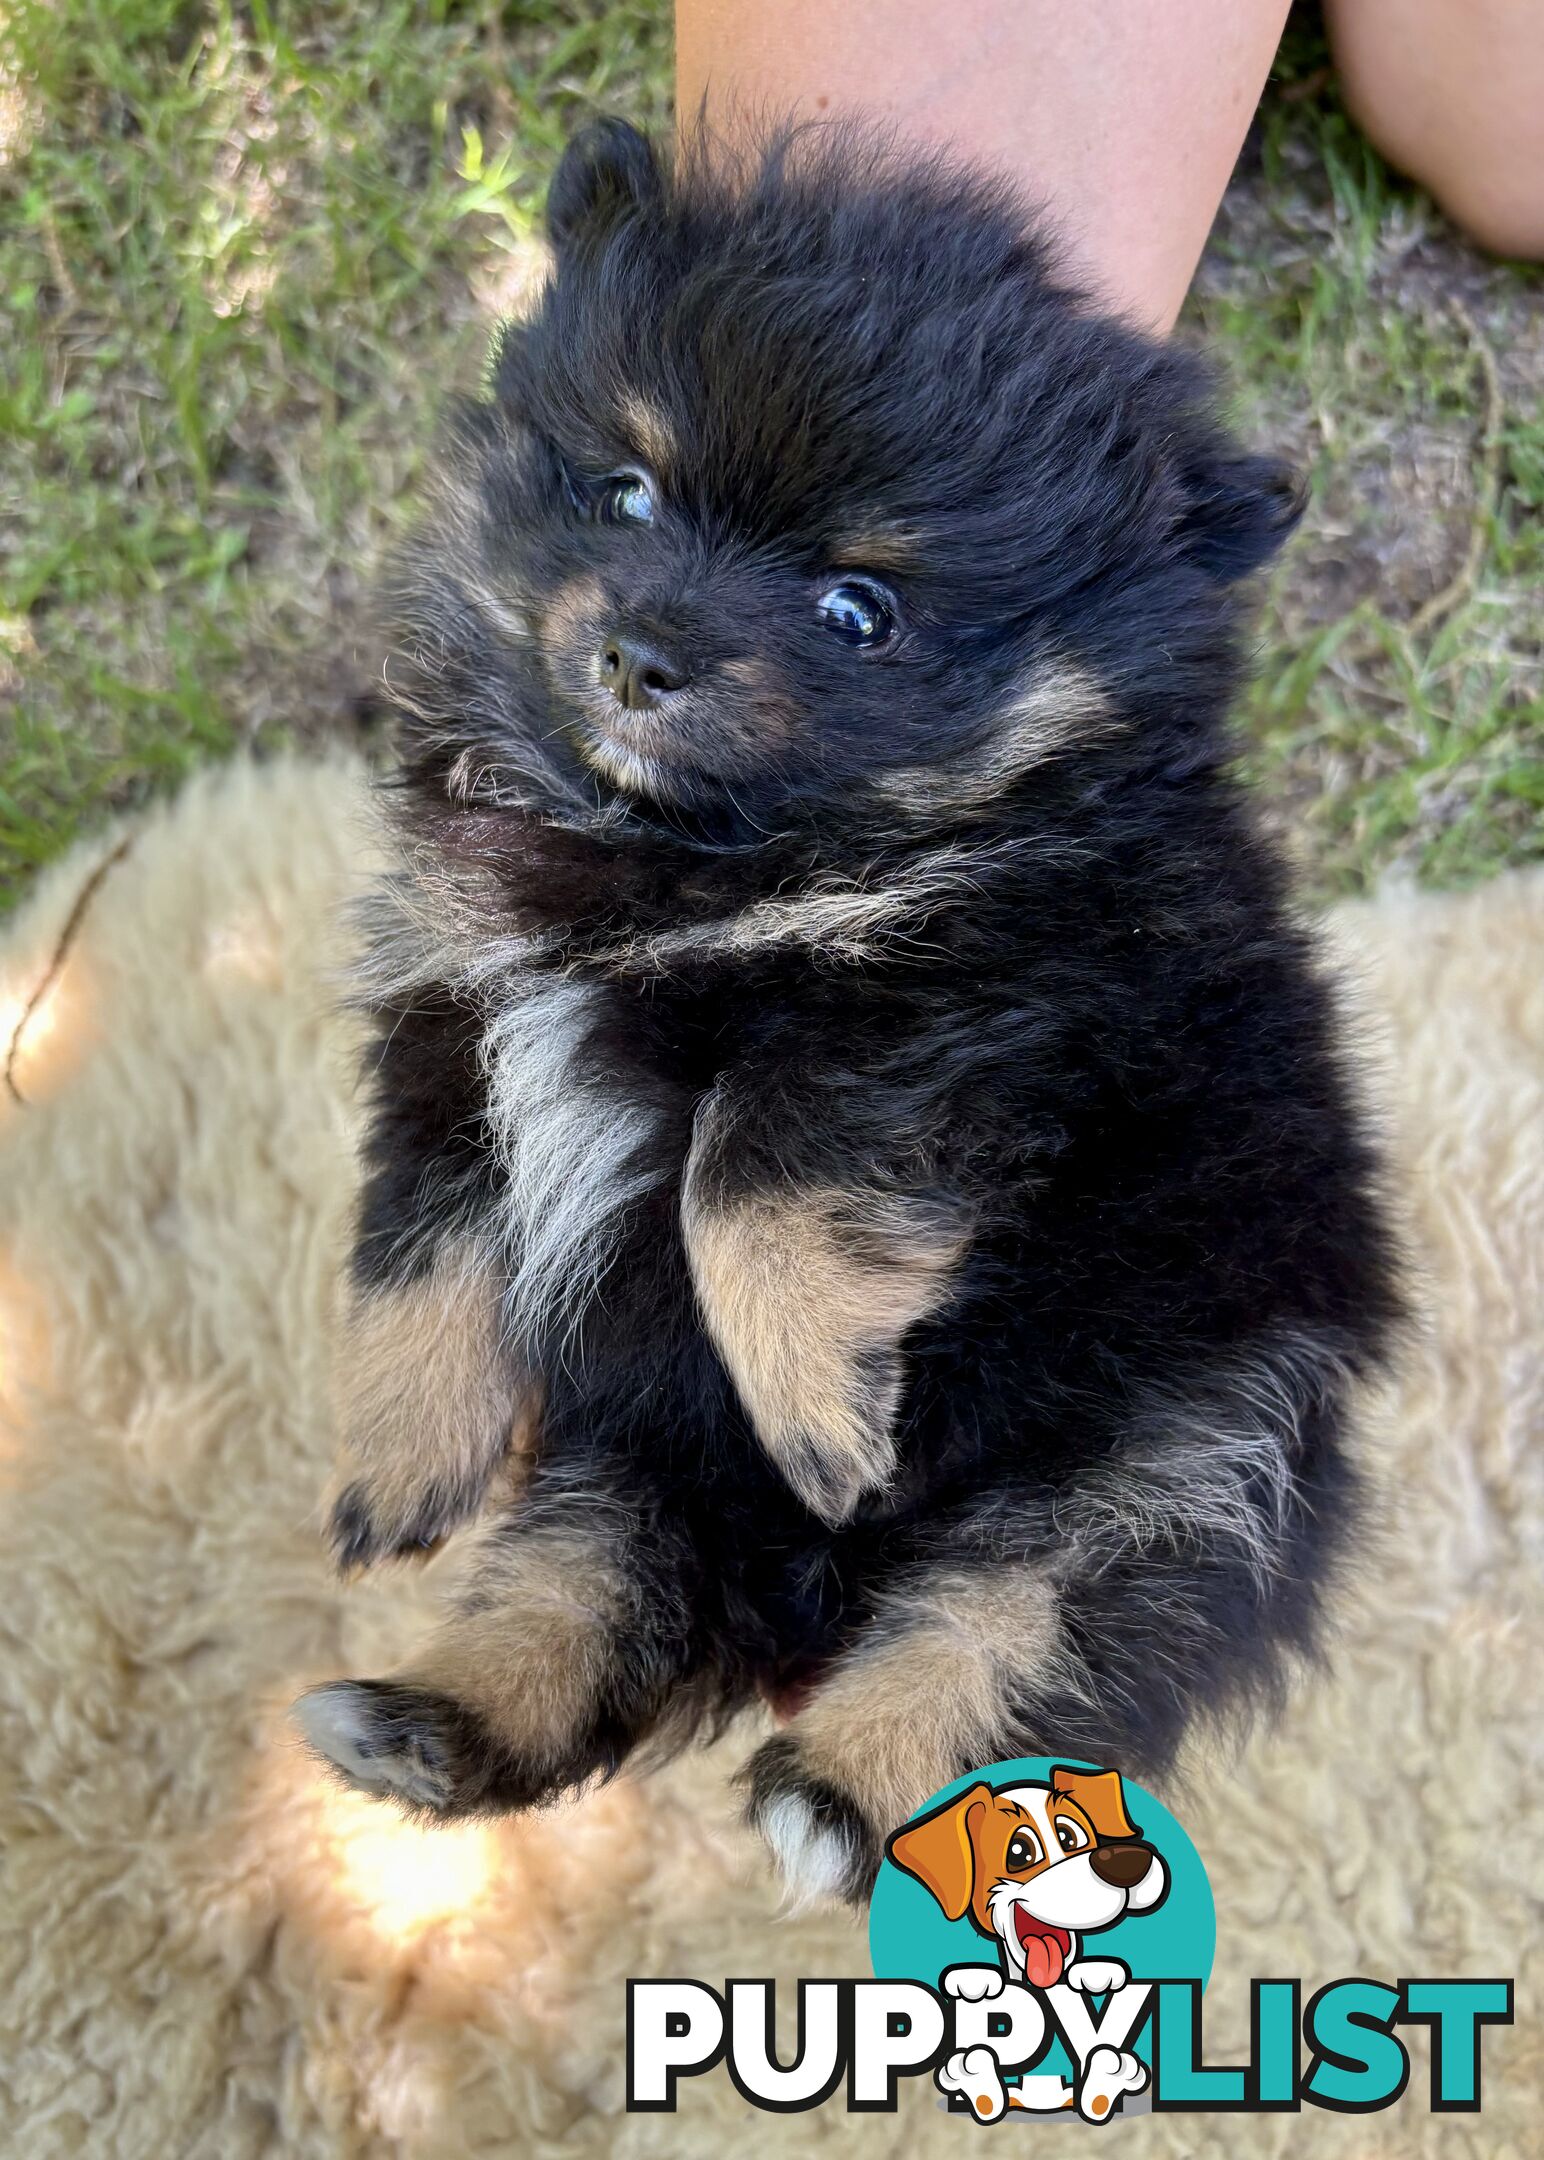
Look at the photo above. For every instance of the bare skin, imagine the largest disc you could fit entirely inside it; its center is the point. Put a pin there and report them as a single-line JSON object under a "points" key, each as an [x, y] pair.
{"points": [[1452, 92], [1125, 117]]}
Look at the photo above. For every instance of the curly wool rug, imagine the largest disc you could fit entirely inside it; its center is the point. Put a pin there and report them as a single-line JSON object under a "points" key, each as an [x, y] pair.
{"points": [[204, 1950]]}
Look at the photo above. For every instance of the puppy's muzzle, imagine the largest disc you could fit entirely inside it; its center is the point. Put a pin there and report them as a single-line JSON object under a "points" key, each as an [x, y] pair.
{"points": [[639, 672], [1121, 1866]]}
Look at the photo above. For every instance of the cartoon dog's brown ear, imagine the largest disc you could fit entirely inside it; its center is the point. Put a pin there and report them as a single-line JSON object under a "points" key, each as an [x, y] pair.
{"points": [[939, 1850], [1101, 1796]]}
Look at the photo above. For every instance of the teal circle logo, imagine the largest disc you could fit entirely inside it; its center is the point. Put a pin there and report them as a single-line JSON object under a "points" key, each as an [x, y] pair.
{"points": [[1056, 1873]]}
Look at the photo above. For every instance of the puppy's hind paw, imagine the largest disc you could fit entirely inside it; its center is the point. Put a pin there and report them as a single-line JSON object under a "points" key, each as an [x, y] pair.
{"points": [[403, 1743], [822, 1845]]}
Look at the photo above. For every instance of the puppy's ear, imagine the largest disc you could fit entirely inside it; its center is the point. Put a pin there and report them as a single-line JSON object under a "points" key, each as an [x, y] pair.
{"points": [[1101, 1796], [1241, 510], [941, 1852], [607, 170]]}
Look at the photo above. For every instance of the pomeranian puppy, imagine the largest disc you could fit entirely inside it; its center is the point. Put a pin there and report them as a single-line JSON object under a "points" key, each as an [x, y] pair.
{"points": [[862, 1195]]}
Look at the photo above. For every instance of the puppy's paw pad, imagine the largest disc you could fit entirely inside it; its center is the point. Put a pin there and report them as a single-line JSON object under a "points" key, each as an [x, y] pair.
{"points": [[974, 2075], [1097, 1976], [820, 1842], [834, 1476], [383, 1739]]}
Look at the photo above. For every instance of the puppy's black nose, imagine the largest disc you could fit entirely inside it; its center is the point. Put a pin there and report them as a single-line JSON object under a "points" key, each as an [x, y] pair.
{"points": [[638, 673], [1122, 1866]]}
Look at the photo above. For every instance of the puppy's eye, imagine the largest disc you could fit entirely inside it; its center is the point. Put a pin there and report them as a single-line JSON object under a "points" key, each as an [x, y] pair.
{"points": [[1070, 1835], [620, 498], [858, 612], [626, 499], [1023, 1849]]}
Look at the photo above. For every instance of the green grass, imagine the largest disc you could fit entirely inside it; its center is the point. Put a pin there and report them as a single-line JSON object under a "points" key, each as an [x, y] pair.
{"points": [[243, 251], [1405, 374]]}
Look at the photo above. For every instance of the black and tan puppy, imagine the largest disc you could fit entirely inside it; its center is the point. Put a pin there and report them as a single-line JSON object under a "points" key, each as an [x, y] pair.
{"points": [[860, 1166]]}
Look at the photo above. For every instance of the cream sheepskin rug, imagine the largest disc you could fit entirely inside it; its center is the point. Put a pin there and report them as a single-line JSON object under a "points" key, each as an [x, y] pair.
{"points": [[206, 1951]]}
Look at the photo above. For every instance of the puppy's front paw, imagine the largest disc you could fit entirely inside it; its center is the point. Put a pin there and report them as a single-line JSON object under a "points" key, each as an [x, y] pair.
{"points": [[400, 1742], [820, 1841], [384, 1515], [808, 1296], [429, 1404]]}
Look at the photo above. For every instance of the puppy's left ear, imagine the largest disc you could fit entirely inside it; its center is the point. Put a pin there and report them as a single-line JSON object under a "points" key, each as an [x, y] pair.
{"points": [[607, 170], [940, 1849], [1241, 510]]}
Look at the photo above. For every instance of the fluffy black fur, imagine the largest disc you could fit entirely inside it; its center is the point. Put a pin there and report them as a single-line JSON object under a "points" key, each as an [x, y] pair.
{"points": [[1028, 993]]}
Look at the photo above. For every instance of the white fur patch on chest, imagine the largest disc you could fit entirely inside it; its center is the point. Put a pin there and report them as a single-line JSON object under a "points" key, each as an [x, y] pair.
{"points": [[576, 1154]]}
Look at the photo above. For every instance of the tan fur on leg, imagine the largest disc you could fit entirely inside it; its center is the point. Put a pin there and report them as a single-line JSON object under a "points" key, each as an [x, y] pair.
{"points": [[427, 1400], [924, 1695], [808, 1296], [535, 1642], [518, 1695]]}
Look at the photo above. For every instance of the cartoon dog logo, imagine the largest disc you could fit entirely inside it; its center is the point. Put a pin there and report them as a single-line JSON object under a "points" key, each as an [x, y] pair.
{"points": [[1036, 1868]]}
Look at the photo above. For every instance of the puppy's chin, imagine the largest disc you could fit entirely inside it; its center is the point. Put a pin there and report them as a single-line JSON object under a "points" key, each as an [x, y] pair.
{"points": [[645, 757], [634, 763]]}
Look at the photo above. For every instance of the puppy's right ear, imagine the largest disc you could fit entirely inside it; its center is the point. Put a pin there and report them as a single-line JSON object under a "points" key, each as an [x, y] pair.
{"points": [[607, 170], [940, 1850]]}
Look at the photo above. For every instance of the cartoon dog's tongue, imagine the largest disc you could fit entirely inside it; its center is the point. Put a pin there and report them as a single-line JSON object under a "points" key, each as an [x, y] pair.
{"points": [[1045, 1948]]}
